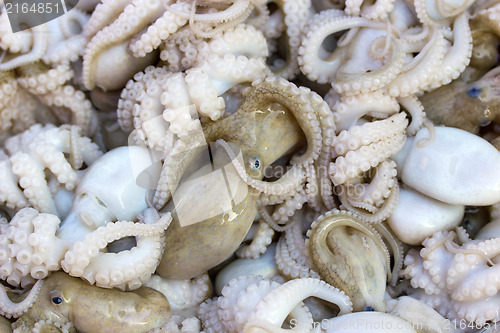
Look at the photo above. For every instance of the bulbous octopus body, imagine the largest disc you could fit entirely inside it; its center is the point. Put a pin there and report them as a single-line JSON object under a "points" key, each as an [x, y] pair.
{"points": [[465, 106], [91, 309], [255, 136], [5, 325]]}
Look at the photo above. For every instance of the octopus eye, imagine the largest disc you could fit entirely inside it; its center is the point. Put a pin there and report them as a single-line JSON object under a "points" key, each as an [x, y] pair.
{"points": [[255, 163], [56, 297], [474, 92], [57, 300]]}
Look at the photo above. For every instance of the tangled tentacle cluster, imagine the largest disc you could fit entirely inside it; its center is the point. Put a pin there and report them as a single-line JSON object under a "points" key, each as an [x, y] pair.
{"points": [[456, 276], [126, 269], [35, 153], [212, 79], [29, 249], [251, 301]]}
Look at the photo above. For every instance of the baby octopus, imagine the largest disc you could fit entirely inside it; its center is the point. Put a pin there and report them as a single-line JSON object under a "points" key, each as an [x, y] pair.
{"points": [[61, 301]]}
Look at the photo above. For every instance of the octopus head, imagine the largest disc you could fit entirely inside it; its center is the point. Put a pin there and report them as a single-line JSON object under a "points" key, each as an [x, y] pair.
{"points": [[267, 135], [65, 300], [53, 302]]}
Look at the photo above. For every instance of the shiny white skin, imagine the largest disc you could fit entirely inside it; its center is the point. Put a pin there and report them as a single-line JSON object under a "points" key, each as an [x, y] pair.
{"points": [[114, 188], [418, 216], [490, 230], [456, 167]]}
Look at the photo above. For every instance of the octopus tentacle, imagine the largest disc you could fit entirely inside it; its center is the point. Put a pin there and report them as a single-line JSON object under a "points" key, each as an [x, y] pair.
{"points": [[243, 39], [140, 107], [357, 157], [273, 308], [8, 91], [132, 20], [103, 15], [439, 13], [130, 268], [295, 15], [459, 281], [262, 239], [291, 258], [327, 124], [414, 271], [366, 157], [349, 109], [35, 190], [177, 324], [376, 191], [20, 42], [312, 189], [184, 296], [379, 10], [157, 96], [397, 251], [381, 213], [264, 214], [65, 52], [235, 9], [322, 25], [218, 75], [182, 49], [458, 57], [30, 249], [41, 148], [204, 29], [417, 73], [183, 153], [161, 29], [416, 110], [225, 313], [40, 45], [284, 211], [10, 194], [360, 135], [43, 325], [331, 258], [10, 309], [352, 83], [48, 85]]}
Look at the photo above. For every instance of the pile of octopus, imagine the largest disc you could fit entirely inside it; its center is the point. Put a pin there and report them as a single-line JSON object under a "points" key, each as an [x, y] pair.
{"points": [[243, 166]]}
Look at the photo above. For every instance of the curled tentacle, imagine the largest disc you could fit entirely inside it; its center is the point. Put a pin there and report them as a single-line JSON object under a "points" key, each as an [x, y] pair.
{"points": [[273, 308], [361, 277], [120, 270], [11, 309]]}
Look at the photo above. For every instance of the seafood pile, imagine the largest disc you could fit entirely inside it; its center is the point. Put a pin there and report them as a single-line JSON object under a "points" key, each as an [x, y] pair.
{"points": [[251, 166]]}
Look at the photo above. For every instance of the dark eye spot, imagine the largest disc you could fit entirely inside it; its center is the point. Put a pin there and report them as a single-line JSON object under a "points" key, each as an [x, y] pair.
{"points": [[369, 308], [474, 92], [57, 300], [255, 163]]}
